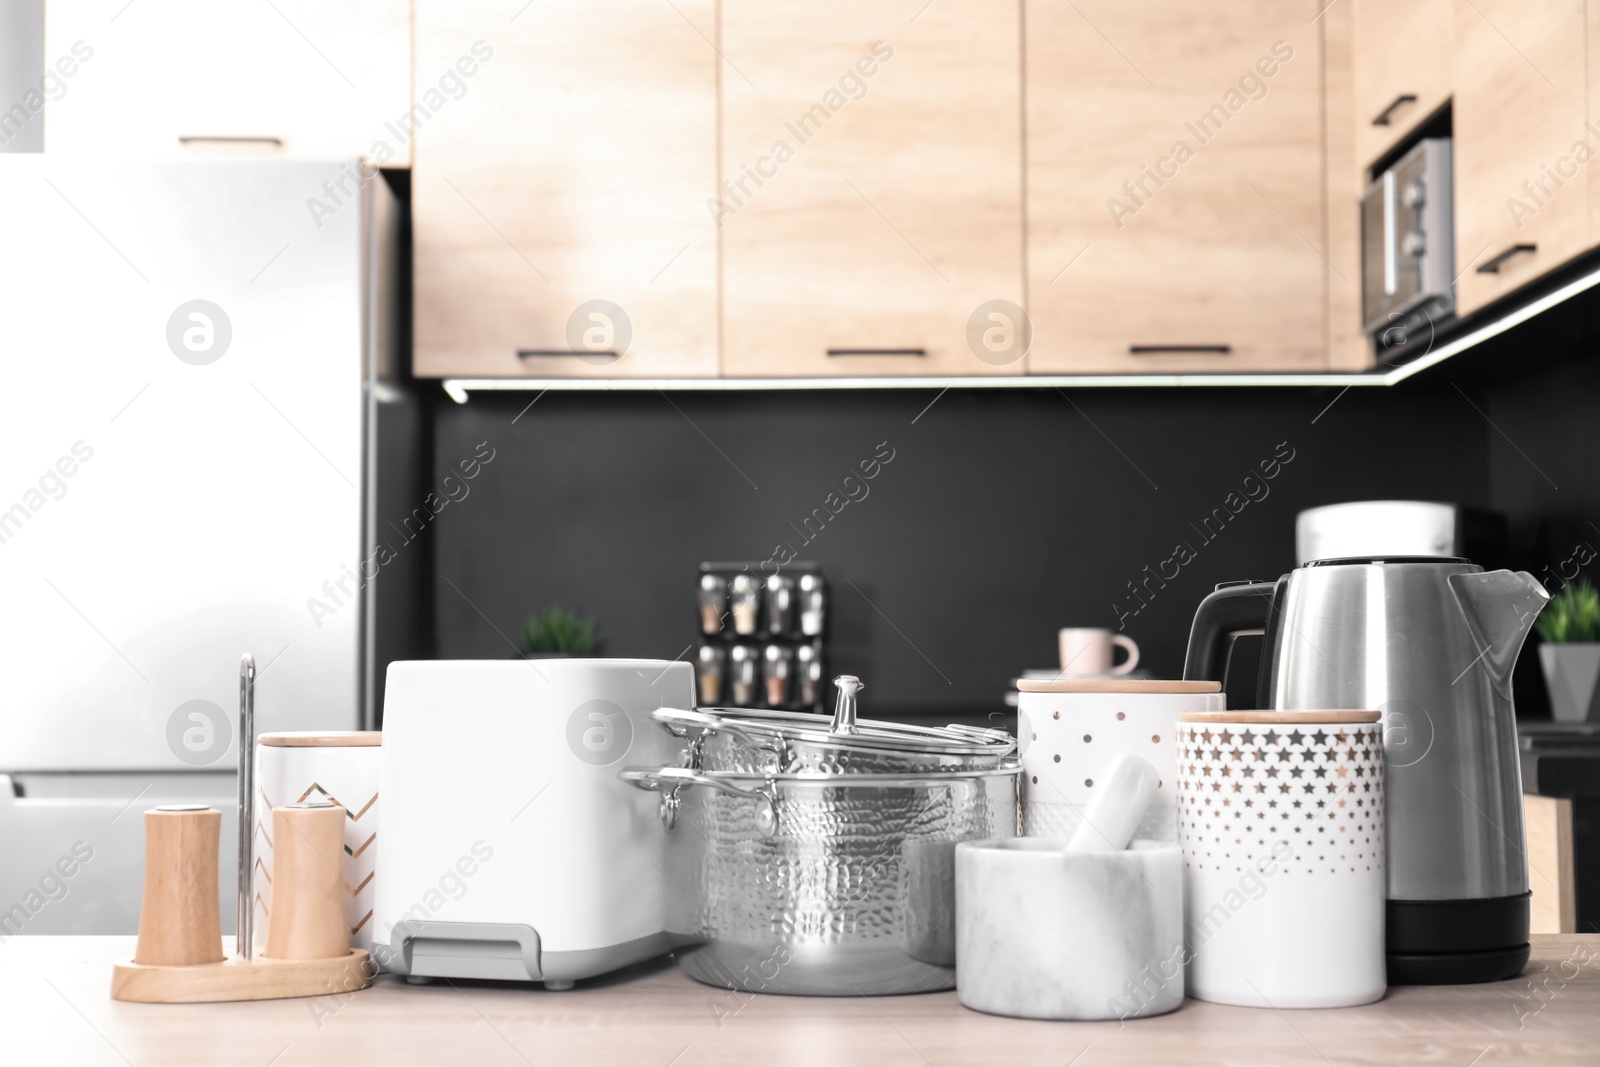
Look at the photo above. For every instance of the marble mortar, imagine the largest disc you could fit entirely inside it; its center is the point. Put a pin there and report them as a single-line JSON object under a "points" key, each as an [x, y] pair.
{"points": [[1043, 933]]}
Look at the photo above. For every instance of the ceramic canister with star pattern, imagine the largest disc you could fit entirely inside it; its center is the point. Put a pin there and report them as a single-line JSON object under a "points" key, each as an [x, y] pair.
{"points": [[1280, 818], [1070, 729]]}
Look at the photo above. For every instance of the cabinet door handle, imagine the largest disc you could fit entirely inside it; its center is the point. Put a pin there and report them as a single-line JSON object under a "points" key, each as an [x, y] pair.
{"points": [[918, 352], [1151, 350], [187, 139], [606, 354], [1493, 264], [1399, 102]]}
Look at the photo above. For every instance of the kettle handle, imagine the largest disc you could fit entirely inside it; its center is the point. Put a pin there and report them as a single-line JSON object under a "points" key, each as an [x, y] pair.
{"points": [[1229, 611]]}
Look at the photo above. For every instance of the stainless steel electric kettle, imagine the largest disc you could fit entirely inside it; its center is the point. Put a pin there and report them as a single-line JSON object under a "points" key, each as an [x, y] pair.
{"points": [[1430, 643]]}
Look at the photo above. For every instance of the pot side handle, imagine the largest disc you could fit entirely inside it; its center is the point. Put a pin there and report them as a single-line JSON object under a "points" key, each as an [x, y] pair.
{"points": [[669, 780]]}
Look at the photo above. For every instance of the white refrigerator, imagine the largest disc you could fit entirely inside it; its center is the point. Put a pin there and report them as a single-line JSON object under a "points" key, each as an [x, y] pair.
{"points": [[193, 367]]}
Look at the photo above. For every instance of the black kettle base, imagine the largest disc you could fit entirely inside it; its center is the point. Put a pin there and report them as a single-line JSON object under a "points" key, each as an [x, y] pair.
{"points": [[1455, 942], [1458, 968]]}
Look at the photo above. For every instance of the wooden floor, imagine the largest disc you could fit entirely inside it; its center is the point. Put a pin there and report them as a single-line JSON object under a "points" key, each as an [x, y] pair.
{"points": [[55, 1009]]}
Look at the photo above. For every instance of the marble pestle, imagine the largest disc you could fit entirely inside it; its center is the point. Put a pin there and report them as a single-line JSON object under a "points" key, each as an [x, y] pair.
{"points": [[1116, 810]]}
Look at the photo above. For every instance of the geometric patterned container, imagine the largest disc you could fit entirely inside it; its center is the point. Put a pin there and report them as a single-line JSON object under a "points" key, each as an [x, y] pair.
{"points": [[1280, 818]]}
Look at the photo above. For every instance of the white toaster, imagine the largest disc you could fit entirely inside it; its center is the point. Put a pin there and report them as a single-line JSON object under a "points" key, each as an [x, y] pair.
{"points": [[511, 848]]}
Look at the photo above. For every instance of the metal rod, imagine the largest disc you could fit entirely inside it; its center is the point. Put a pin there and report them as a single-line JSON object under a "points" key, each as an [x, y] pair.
{"points": [[243, 923]]}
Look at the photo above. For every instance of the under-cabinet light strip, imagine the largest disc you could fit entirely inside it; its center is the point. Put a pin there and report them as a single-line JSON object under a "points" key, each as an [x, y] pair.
{"points": [[460, 389]]}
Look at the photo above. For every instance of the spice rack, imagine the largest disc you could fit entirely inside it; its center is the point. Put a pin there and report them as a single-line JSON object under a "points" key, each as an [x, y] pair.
{"points": [[762, 636]]}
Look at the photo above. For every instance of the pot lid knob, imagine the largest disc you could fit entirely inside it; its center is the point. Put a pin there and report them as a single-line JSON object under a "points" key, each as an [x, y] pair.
{"points": [[844, 711]]}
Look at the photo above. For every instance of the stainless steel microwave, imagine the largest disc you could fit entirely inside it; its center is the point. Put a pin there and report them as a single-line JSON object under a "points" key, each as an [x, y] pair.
{"points": [[1408, 248]]}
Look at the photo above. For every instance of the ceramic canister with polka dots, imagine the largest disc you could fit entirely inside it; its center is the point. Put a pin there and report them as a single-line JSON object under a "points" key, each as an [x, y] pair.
{"points": [[1280, 818], [1070, 729]]}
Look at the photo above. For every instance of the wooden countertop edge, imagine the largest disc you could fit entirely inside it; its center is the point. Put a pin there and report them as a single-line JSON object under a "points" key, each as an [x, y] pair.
{"points": [[654, 1012]]}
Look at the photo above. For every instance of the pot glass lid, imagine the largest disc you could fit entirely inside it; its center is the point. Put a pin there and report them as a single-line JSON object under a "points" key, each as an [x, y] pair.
{"points": [[845, 730]]}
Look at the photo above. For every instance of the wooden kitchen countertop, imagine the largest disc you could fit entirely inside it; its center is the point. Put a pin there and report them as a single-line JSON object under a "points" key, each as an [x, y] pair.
{"points": [[55, 1008]]}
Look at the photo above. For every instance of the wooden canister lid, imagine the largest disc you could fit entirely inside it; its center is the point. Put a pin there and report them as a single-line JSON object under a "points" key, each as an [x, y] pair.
{"points": [[322, 739], [1285, 718], [1113, 685]]}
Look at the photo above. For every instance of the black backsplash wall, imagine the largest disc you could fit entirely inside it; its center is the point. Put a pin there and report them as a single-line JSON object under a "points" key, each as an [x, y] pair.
{"points": [[1544, 473], [1544, 464], [1003, 515]]}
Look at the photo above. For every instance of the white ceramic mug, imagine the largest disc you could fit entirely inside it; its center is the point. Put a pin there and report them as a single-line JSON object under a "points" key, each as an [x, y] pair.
{"points": [[1280, 817], [1086, 652], [344, 767], [1069, 731]]}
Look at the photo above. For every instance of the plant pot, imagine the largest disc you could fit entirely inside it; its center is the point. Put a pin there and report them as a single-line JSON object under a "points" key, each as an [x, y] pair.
{"points": [[1571, 672]]}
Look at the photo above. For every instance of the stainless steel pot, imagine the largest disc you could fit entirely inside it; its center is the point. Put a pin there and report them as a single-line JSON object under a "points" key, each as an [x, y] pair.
{"points": [[819, 858]]}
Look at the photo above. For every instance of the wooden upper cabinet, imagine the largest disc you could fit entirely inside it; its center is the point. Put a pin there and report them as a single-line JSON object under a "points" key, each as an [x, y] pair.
{"points": [[1520, 101], [304, 79], [871, 197], [559, 189], [1401, 74], [1592, 111], [1175, 212]]}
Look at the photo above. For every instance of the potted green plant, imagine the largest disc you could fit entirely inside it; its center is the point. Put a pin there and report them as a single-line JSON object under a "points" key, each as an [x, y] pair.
{"points": [[1570, 655], [556, 632]]}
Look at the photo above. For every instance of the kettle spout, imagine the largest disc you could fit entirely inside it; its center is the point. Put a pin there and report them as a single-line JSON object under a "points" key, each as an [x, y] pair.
{"points": [[1500, 607]]}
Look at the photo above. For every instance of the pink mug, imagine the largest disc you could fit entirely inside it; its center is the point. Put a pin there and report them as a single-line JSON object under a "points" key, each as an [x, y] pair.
{"points": [[1087, 651]]}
